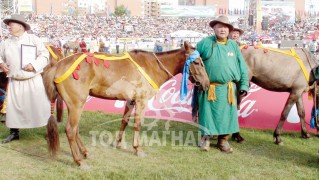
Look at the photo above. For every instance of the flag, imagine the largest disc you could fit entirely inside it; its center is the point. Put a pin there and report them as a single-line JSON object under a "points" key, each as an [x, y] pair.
{"points": [[126, 11], [108, 11], [50, 7]]}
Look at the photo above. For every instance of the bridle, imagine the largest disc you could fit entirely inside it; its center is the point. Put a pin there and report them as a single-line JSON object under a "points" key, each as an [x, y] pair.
{"points": [[197, 82]]}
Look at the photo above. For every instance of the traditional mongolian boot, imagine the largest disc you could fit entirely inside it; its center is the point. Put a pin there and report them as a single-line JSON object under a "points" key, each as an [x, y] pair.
{"points": [[204, 143], [3, 118], [14, 135], [223, 144], [237, 137]]}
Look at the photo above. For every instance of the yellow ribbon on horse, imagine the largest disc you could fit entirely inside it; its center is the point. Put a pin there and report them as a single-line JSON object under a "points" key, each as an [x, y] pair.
{"points": [[293, 53], [108, 58], [212, 92], [52, 53]]}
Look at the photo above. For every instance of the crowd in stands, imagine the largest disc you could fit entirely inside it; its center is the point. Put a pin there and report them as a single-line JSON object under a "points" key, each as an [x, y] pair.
{"points": [[77, 27]]}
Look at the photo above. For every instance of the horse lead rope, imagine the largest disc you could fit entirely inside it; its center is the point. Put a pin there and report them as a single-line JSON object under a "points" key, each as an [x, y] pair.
{"points": [[169, 73]]}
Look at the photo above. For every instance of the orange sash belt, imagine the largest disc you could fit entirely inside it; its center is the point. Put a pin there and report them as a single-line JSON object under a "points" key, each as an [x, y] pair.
{"points": [[212, 92]]}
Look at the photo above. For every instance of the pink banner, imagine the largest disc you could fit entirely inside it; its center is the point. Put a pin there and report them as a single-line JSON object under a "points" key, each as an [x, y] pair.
{"points": [[260, 109]]}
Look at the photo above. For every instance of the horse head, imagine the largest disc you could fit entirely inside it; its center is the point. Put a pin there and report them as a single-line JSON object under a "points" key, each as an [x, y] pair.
{"points": [[198, 75]]}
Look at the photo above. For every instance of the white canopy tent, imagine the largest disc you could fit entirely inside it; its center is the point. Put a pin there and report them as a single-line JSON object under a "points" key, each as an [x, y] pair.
{"points": [[185, 35]]}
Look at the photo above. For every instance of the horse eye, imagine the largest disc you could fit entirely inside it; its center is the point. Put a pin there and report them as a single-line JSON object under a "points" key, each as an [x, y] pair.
{"points": [[196, 62]]}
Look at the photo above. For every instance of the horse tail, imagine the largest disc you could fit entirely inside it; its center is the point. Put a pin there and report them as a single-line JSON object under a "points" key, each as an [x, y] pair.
{"points": [[52, 127], [59, 108]]}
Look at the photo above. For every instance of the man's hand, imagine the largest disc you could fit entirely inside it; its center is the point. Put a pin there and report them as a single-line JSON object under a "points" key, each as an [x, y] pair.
{"points": [[29, 68], [242, 93], [5, 68]]}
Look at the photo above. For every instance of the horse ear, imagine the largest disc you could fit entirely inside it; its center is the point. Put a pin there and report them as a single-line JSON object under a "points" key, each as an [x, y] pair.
{"points": [[187, 46]]}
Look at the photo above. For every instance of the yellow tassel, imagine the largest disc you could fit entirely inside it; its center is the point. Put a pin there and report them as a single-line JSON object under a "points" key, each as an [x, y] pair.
{"points": [[309, 95], [4, 106], [211, 93], [231, 96]]}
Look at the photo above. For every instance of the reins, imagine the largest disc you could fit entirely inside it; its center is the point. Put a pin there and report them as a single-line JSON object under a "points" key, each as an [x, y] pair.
{"points": [[167, 71]]}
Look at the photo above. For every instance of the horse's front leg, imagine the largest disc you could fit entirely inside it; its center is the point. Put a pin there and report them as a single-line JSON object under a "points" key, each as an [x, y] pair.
{"points": [[284, 114], [301, 114], [126, 117], [138, 117]]}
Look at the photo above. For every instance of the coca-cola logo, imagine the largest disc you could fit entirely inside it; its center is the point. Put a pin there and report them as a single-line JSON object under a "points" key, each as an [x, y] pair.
{"points": [[168, 98], [247, 104]]}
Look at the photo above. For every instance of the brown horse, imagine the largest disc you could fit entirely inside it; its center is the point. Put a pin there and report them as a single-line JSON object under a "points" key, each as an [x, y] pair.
{"points": [[55, 56], [279, 72], [71, 47], [121, 80]]}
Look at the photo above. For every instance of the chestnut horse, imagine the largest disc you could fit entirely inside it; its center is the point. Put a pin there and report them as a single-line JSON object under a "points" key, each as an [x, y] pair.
{"points": [[119, 79], [276, 71], [55, 56]]}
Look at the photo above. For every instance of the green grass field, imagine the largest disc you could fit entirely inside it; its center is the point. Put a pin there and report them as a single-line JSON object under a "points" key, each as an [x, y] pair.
{"points": [[172, 153]]}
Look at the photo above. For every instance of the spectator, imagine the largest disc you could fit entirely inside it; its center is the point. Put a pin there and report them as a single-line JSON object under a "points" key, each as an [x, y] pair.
{"points": [[158, 47], [27, 102], [117, 46], [82, 45], [313, 46], [102, 46], [225, 65], [235, 34], [94, 45]]}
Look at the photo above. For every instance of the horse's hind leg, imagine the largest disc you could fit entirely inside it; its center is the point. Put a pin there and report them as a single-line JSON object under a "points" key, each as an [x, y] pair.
{"points": [[126, 117], [301, 114], [71, 129], [80, 144], [291, 100]]}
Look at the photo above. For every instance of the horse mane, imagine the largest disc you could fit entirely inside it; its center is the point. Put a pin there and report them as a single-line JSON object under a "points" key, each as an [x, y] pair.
{"points": [[135, 51]]}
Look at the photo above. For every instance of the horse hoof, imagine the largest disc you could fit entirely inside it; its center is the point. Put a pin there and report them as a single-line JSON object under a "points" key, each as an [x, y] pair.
{"points": [[84, 166], [306, 136], [88, 156], [141, 154], [121, 146], [279, 143]]}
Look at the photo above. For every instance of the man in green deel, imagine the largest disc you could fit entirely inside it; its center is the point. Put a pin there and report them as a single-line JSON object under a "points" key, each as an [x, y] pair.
{"points": [[225, 66]]}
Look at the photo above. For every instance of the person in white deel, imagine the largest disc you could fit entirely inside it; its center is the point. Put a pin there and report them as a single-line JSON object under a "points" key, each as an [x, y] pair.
{"points": [[27, 102]]}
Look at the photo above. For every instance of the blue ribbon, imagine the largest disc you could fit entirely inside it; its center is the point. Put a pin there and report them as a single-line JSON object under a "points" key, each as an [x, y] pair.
{"points": [[183, 89], [313, 117], [3, 96]]}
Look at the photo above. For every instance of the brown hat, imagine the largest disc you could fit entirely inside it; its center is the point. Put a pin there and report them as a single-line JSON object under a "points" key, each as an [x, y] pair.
{"points": [[223, 20], [17, 18], [236, 28]]}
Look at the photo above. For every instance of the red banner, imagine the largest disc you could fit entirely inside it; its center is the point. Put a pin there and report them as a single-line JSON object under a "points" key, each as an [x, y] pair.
{"points": [[260, 109]]}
